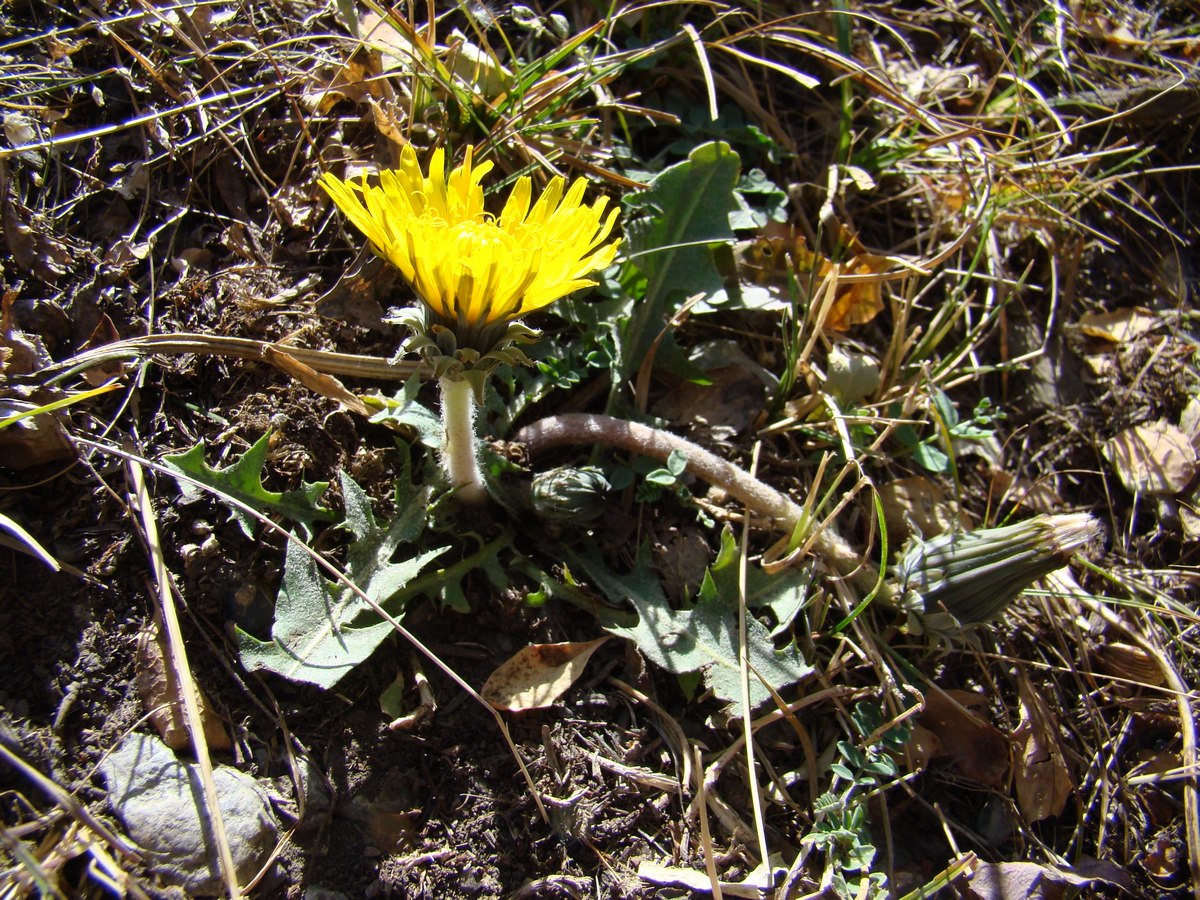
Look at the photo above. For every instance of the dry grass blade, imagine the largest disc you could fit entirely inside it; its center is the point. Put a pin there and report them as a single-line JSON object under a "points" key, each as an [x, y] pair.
{"points": [[706, 845], [69, 803], [689, 775], [177, 658], [1187, 728], [325, 361], [760, 830]]}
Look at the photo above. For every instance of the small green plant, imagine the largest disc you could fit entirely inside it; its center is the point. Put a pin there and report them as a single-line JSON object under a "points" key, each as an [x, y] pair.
{"points": [[841, 829], [930, 451], [667, 478]]}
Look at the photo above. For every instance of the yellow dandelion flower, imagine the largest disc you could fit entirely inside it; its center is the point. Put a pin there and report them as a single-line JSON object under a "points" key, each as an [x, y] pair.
{"points": [[474, 270]]}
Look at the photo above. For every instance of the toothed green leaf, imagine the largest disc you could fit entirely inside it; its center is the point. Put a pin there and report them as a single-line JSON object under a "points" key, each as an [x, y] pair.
{"points": [[242, 480], [703, 638], [404, 414], [323, 629], [783, 594], [669, 227]]}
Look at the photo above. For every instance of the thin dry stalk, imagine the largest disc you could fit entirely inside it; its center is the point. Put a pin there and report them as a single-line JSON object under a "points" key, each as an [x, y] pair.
{"points": [[68, 802], [1187, 731], [177, 659], [756, 800], [689, 778], [706, 847], [185, 343]]}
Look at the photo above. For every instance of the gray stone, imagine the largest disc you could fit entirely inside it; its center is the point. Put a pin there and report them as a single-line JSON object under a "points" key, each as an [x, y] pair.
{"points": [[161, 802]]}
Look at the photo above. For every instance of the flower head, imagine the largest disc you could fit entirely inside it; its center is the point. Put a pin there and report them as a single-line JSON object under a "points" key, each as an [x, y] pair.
{"points": [[957, 580], [475, 272]]}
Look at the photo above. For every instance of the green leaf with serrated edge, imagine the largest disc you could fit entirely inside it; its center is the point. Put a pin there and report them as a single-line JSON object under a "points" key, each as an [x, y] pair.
{"points": [[667, 228], [242, 480], [783, 594], [448, 588], [703, 638], [322, 629]]}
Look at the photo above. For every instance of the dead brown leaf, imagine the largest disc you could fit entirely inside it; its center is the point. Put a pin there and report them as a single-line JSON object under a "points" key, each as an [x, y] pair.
{"points": [[731, 400], [158, 689], [358, 79], [25, 353], [538, 675], [1037, 496], [1189, 421], [1119, 326], [391, 822], [105, 332], [769, 259], [33, 249], [1128, 662], [1153, 460], [857, 303], [923, 745], [918, 506], [1189, 516], [979, 751], [319, 382], [389, 122], [1162, 862], [1031, 881], [398, 51], [356, 297], [33, 440], [1043, 780]]}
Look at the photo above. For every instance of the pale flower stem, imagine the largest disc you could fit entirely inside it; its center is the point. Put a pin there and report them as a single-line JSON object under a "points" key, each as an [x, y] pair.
{"points": [[764, 500], [458, 451]]}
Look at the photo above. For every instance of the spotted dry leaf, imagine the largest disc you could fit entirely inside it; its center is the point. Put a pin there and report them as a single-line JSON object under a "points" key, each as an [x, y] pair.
{"points": [[538, 675]]}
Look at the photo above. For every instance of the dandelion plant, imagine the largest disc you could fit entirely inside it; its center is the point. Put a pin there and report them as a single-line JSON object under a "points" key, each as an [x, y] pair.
{"points": [[475, 273]]}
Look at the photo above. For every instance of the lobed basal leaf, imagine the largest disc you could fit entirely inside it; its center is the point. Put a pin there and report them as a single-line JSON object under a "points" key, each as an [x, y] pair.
{"points": [[322, 628], [703, 638], [242, 480]]}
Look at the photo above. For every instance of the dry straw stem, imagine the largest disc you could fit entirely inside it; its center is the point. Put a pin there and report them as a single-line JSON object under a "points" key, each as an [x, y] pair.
{"points": [[325, 361], [177, 658], [672, 734], [744, 673], [68, 802], [1187, 730]]}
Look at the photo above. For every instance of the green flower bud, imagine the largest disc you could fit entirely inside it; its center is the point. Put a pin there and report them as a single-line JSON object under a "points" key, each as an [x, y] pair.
{"points": [[570, 496], [956, 581]]}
